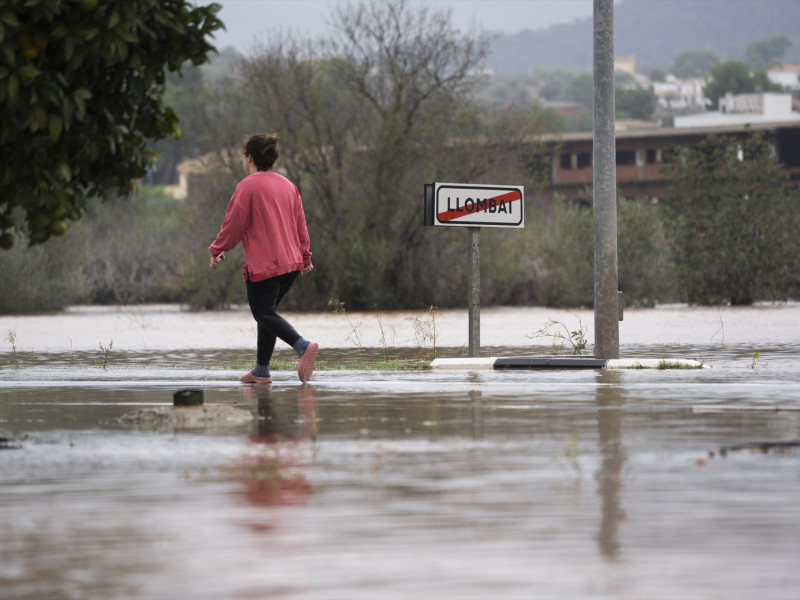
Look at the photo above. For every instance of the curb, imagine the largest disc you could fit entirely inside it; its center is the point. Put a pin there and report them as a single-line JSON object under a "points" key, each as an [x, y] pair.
{"points": [[564, 362]]}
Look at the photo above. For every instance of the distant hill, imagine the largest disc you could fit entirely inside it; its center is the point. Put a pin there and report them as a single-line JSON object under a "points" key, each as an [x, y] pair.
{"points": [[655, 31]]}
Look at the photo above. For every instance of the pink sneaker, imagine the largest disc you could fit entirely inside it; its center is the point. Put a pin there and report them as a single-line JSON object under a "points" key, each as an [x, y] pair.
{"points": [[250, 378], [305, 367]]}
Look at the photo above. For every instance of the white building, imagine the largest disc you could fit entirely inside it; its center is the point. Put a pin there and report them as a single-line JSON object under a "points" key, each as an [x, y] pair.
{"points": [[786, 76], [675, 95], [743, 109]]}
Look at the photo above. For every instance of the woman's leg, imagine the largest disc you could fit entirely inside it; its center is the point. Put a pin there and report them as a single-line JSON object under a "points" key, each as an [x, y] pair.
{"points": [[264, 298]]}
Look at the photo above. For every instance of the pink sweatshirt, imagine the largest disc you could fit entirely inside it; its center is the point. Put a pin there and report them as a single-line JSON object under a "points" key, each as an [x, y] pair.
{"points": [[266, 215]]}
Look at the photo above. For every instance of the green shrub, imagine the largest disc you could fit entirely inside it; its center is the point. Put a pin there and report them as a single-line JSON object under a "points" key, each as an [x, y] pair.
{"points": [[45, 278], [567, 251], [203, 212], [134, 254], [645, 270], [733, 219]]}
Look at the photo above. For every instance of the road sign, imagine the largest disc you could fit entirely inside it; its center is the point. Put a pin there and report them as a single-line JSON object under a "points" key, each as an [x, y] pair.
{"points": [[474, 205]]}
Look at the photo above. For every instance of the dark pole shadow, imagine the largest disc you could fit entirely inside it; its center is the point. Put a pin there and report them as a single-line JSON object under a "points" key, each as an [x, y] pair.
{"points": [[610, 401]]}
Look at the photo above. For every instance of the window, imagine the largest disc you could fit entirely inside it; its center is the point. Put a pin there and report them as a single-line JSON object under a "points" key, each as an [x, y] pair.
{"points": [[652, 156], [626, 157], [566, 161], [788, 145], [584, 160]]}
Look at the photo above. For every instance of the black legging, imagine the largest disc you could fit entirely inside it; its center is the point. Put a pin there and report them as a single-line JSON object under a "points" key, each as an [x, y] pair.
{"points": [[264, 297]]}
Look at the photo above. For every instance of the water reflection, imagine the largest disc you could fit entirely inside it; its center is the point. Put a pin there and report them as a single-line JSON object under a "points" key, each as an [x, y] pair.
{"points": [[477, 414], [272, 469], [610, 399], [416, 482]]}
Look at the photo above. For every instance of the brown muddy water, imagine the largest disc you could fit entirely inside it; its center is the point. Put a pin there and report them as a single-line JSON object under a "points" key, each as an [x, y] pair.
{"points": [[396, 484]]}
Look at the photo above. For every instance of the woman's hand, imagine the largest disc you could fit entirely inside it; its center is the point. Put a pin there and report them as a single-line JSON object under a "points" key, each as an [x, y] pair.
{"points": [[307, 269], [216, 261]]}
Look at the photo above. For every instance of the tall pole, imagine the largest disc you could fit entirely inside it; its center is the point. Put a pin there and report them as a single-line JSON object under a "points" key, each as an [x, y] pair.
{"points": [[606, 309], [474, 292]]}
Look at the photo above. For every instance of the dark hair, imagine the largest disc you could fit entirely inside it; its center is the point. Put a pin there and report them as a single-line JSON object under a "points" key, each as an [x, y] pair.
{"points": [[263, 147]]}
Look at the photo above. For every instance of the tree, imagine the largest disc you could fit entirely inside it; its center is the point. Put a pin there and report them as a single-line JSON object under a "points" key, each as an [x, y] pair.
{"points": [[766, 53], [733, 217], [181, 93], [735, 77], [567, 255], [81, 88], [694, 63], [365, 117], [582, 90], [553, 82], [636, 103], [656, 74]]}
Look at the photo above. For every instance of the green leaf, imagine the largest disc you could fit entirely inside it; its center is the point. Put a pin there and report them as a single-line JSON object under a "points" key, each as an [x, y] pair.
{"points": [[69, 47], [10, 18], [67, 108], [90, 33], [81, 106], [56, 125], [40, 116], [129, 36], [12, 89], [122, 49], [27, 74], [64, 171]]}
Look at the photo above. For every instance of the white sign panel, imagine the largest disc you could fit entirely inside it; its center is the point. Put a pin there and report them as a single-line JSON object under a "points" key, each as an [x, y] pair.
{"points": [[474, 205]]}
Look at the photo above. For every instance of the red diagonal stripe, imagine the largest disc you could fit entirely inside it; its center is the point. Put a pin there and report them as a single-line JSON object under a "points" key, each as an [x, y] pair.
{"points": [[450, 215]]}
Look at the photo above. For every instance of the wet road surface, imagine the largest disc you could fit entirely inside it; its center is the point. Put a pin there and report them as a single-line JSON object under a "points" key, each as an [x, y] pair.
{"points": [[403, 484]]}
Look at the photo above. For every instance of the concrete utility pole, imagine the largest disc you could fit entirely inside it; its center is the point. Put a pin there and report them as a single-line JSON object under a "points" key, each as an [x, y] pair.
{"points": [[606, 302]]}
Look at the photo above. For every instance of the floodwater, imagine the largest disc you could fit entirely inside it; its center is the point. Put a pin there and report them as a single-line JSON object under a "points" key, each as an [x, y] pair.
{"points": [[422, 484]]}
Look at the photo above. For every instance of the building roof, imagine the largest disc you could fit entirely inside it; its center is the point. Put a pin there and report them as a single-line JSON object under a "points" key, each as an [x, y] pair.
{"points": [[786, 69], [667, 132]]}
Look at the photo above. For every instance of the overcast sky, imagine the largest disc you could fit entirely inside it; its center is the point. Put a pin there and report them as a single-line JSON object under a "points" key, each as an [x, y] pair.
{"points": [[246, 19]]}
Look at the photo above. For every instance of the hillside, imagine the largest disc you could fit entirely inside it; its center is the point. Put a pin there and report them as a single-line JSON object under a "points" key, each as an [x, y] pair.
{"points": [[655, 31]]}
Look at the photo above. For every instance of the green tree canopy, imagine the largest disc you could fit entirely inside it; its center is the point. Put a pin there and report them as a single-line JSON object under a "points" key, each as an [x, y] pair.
{"points": [[582, 90], [694, 63], [735, 77], [764, 54], [635, 103], [81, 89], [656, 74]]}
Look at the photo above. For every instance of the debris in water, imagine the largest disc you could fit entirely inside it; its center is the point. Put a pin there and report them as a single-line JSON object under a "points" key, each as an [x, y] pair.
{"points": [[188, 398], [184, 417]]}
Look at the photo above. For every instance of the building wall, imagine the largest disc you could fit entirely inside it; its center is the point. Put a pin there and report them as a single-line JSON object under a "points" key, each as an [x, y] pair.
{"points": [[787, 76], [640, 156]]}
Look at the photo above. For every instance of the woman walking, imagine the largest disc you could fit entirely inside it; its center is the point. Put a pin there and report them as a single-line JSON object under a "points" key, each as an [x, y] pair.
{"points": [[266, 215]]}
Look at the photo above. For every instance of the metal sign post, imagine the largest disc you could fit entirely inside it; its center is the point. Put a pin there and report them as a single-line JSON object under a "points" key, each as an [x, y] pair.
{"points": [[474, 206], [474, 292]]}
